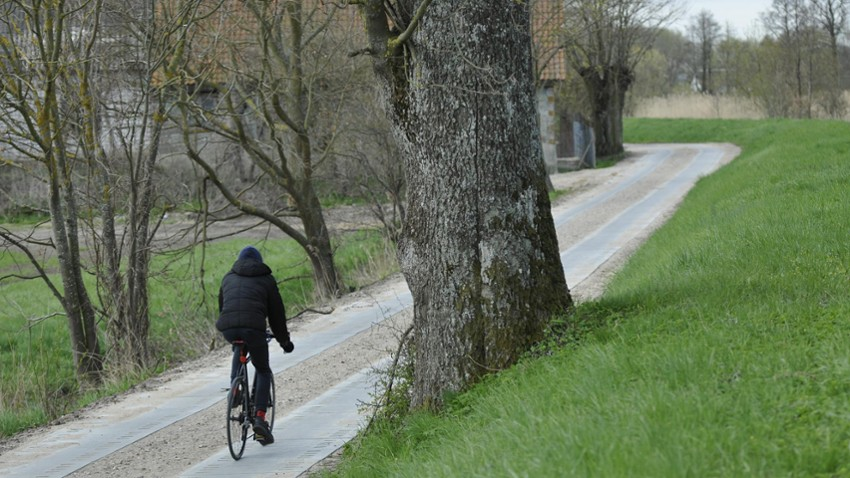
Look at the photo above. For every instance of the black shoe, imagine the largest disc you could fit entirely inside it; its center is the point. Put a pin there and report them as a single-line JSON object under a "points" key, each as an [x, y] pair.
{"points": [[262, 433]]}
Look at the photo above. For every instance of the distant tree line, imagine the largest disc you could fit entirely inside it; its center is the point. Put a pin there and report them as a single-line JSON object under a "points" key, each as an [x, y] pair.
{"points": [[619, 51], [797, 65]]}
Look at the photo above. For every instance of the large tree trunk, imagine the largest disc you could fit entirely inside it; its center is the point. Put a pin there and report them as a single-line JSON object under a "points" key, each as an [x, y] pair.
{"points": [[479, 249]]}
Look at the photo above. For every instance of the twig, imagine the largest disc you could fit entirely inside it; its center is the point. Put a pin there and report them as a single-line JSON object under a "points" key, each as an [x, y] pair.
{"points": [[414, 22], [18, 276], [392, 371], [323, 312], [32, 322]]}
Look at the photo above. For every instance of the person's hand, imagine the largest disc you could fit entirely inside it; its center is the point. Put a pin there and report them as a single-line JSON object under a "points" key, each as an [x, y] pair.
{"points": [[287, 346]]}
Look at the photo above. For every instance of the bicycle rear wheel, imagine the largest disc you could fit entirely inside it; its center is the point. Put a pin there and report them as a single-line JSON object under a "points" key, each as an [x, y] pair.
{"points": [[271, 406], [237, 416]]}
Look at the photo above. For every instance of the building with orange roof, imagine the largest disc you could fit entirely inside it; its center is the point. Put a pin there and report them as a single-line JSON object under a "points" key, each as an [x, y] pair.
{"points": [[232, 24], [563, 134]]}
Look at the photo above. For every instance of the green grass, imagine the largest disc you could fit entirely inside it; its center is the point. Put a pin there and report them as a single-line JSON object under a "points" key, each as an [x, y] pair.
{"points": [[558, 193], [722, 349], [332, 199], [609, 161], [25, 217], [36, 370]]}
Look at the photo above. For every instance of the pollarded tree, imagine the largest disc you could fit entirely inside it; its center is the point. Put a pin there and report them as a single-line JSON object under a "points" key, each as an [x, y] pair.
{"points": [[605, 40], [478, 248]]}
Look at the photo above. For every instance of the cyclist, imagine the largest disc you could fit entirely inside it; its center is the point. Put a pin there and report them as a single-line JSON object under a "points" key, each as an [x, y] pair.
{"points": [[247, 298]]}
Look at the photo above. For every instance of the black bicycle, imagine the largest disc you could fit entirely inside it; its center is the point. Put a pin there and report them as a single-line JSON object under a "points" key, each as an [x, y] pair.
{"points": [[241, 405]]}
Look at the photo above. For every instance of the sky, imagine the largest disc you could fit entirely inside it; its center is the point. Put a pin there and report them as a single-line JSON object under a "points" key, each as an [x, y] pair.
{"points": [[742, 15]]}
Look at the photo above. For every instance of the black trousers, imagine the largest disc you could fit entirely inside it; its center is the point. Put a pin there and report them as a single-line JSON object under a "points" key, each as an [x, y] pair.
{"points": [[259, 350]]}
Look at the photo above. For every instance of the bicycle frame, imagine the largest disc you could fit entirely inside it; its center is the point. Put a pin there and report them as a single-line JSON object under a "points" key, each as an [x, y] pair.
{"points": [[244, 420]]}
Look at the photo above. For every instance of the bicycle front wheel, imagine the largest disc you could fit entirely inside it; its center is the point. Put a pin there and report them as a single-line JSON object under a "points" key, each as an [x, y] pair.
{"points": [[237, 417]]}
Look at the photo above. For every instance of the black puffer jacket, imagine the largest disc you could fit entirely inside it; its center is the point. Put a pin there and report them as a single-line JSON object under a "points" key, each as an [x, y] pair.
{"points": [[247, 296]]}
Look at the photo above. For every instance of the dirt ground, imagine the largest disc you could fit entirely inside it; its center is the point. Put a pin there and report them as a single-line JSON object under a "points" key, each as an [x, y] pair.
{"points": [[303, 382]]}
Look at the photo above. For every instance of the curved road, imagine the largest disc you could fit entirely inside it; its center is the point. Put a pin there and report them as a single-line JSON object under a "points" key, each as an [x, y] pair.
{"points": [[173, 426]]}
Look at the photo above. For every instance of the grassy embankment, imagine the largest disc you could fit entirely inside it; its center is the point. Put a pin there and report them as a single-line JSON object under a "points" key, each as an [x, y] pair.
{"points": [[722, 349], [36, 369]]}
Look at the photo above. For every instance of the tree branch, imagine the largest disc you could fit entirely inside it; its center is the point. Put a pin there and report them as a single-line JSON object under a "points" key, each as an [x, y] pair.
{"points": [[235, 201], [411, 27], [18, 242], [317, 311]]}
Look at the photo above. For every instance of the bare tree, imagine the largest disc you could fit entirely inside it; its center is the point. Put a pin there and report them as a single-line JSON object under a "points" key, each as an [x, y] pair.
{"points": [[124, 128], [831, 16], [676, 51], [263, 68], [790, 22], [705, 32], [42, 79], [479, 249], [81, 100], [378, 172], [605, 39], [548, 51], [733, 59]]}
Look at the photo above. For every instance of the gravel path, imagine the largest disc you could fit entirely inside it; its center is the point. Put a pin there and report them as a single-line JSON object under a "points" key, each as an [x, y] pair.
{"points": [[604, 194]]}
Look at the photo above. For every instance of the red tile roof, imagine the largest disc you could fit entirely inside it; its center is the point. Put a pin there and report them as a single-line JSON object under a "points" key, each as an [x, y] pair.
{"points": [[233, 24], [230, 23], [547, 20]]}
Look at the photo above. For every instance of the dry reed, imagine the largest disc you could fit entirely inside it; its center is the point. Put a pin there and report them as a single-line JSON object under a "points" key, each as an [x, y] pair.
{"points": [[697, 107]]}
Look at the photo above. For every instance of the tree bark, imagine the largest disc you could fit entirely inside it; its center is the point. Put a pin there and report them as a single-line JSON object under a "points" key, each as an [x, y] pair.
{"points": [[318, 243], [64, 214], [88, 361], [479, 249]]}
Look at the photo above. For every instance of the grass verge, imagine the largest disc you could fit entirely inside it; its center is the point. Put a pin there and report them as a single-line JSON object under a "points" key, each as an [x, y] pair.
{"points": [[722, 348]]}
